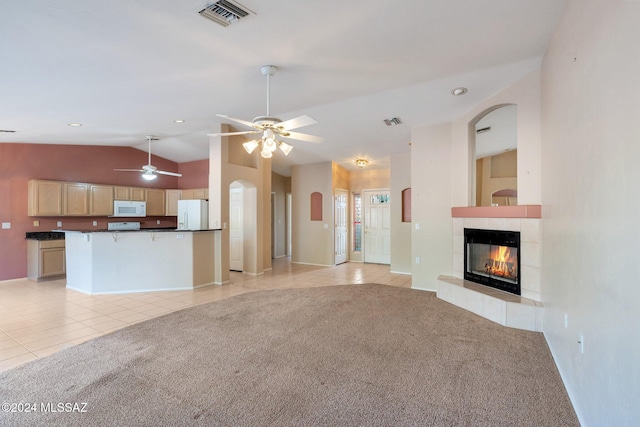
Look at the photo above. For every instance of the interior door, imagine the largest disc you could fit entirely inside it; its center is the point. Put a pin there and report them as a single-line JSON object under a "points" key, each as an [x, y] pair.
{"points": [[236, 238], [341, 226], [377, 227]]}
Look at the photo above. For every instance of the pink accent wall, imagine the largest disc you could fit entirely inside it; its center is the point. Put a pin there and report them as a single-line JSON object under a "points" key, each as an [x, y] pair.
{"points": [[75, 163], [519, 211], [194, 174]]}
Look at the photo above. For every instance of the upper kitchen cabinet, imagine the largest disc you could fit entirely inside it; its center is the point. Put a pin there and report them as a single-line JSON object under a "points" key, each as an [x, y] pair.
{"points": [[155, 202], [75, 199], [45, 198], [135, 194], [101, 200], [172, 197], [195, 194]]}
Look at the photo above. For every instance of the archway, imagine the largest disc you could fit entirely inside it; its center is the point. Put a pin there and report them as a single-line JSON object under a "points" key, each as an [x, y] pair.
{"points": [[492, 153]]}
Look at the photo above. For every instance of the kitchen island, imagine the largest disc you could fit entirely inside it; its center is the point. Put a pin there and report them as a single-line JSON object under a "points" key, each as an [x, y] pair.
{"points": [[108, 262]]}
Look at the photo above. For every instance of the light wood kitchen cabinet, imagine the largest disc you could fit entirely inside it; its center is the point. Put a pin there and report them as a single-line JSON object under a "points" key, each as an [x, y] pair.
{"points": [[172, 197], [75, 199], [121, 193], [100, 200], [138, 194], [45, 198], [195, 194], [46, 259], [155, 202], [135, 194]]}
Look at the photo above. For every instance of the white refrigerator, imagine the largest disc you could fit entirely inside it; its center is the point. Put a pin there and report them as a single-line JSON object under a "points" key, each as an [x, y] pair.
{"points": [[193, 215]]}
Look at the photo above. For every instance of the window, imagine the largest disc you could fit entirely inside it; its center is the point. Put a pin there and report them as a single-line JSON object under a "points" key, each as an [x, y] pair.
{"points": [[357, 223]]}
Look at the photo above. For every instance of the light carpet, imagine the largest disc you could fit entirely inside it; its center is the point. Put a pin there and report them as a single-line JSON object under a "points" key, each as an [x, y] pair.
{"points": [[339, 356]]}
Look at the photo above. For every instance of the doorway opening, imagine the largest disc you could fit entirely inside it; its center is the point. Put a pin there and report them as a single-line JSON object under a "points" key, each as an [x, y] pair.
{"points": [[243, 230]]}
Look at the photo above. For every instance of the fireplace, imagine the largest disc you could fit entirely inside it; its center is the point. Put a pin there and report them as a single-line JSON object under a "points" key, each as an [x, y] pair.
{"points": [[492, 258]]}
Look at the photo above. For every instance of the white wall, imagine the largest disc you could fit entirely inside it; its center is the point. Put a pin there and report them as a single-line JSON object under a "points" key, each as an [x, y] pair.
{"points": [[431, 197], [590, 152], [400, 231], [526, 95], [312, 241]]}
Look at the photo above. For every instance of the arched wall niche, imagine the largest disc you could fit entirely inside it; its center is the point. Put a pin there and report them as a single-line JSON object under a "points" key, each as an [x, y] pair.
{"points": [[493, 155]]}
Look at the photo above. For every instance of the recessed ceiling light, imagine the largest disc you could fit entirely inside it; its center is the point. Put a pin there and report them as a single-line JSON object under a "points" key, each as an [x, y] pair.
{"points": [[75, 125], [178, 121], [459, 91]]}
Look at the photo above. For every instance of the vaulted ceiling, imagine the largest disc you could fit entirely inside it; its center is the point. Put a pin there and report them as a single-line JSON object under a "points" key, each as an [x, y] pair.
{"points": [[129, 68]]}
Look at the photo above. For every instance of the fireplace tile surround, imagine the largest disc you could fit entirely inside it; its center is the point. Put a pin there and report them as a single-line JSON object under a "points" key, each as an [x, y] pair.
{"points": [[522, 312]]}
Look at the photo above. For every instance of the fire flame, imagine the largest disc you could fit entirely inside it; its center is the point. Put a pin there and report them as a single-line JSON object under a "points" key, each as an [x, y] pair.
{"points": [[504, 264]]}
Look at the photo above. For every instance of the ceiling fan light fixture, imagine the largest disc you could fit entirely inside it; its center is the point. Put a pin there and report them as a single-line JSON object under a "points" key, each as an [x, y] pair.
{"points": [[249, 146], [266, 153], [269, 144], [285, 148], [149, 176]]}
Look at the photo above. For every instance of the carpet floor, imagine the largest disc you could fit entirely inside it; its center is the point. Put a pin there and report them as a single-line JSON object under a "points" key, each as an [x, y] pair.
{"points": [[339, 356]]}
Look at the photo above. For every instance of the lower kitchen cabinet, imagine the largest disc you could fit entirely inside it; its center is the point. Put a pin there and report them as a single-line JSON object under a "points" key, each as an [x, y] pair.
{"points": [[46, 259]]}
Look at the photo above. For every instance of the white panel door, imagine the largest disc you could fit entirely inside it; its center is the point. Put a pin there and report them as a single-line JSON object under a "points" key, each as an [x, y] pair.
{"points": [[236, 237], [377, 226], [341, 226]]}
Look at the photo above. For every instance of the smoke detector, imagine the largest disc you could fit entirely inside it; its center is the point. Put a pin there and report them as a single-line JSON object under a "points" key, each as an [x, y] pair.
{"points": [[225, 12]]}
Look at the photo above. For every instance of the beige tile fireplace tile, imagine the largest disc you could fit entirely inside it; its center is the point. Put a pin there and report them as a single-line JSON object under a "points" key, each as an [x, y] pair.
{"points": [[458, 244], [458, 226], [530, 230], [521, 316], [494, 309], [530, 279], [530, 254]]}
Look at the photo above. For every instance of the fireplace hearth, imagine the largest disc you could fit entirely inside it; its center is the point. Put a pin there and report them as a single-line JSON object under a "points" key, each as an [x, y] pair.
{"points": [[492, 258]]}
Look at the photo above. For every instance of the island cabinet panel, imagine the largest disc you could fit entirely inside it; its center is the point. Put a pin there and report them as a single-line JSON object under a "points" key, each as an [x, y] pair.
{"points": [[155, 202], [172, 197], [45, 198], [75, 199], [101, 200], [46, 259]]}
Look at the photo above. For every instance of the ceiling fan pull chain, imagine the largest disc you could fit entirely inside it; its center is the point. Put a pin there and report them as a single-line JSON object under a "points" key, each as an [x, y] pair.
{"points": [[268, 114]]}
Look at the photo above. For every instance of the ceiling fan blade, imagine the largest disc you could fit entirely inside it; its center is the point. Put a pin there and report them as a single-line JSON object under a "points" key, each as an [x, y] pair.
{"points": [[303, 137], [129, 170], [168, 173], [297, 122], [233, 133], [242, 122]]}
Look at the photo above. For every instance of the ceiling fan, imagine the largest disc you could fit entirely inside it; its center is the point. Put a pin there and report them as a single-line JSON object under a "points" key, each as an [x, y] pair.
{"points": [[271, 127], [149, 172]]}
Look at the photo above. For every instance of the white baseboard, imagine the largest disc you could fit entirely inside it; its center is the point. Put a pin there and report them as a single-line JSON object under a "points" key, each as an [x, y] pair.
{"points": [[309, 263]]}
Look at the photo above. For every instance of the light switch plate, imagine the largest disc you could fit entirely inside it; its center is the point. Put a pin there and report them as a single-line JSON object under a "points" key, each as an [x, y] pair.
{"points": [[6, 225]]}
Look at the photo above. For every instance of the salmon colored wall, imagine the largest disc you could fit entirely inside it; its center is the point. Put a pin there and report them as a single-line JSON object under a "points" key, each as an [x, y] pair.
{"points": [[75, 163], [194, 174]]}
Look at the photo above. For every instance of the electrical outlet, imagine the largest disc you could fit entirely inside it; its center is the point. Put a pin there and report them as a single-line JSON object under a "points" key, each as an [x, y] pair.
{"points": [[417, 226], [158, 222], [417, 260], [6, 225], [36, 223], [95, 223], [59, 224], [581, 343], [566, 320]]}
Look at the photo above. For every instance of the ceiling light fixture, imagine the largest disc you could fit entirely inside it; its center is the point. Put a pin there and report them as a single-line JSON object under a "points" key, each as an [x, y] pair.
{"points": [[75, 125], [459, 91], [269, 145], [362, 163]]}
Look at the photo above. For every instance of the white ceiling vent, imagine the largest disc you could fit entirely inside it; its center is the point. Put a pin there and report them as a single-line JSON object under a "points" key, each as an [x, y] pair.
{"points": [[393, 121], [225, 12]]}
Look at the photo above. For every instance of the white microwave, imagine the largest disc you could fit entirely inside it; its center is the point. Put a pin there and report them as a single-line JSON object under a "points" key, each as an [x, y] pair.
{"points": [[126, 208]]}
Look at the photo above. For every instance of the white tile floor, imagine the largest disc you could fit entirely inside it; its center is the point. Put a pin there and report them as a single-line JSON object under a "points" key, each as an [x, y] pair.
{"points": [[39, 319]]}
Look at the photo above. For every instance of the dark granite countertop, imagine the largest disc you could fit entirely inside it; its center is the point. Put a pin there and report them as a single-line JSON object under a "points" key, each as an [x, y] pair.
{"points": [[44, 235]]}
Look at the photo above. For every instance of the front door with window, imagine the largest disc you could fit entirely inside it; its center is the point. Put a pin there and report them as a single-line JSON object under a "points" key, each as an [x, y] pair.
{"points": [[377, 226]]}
